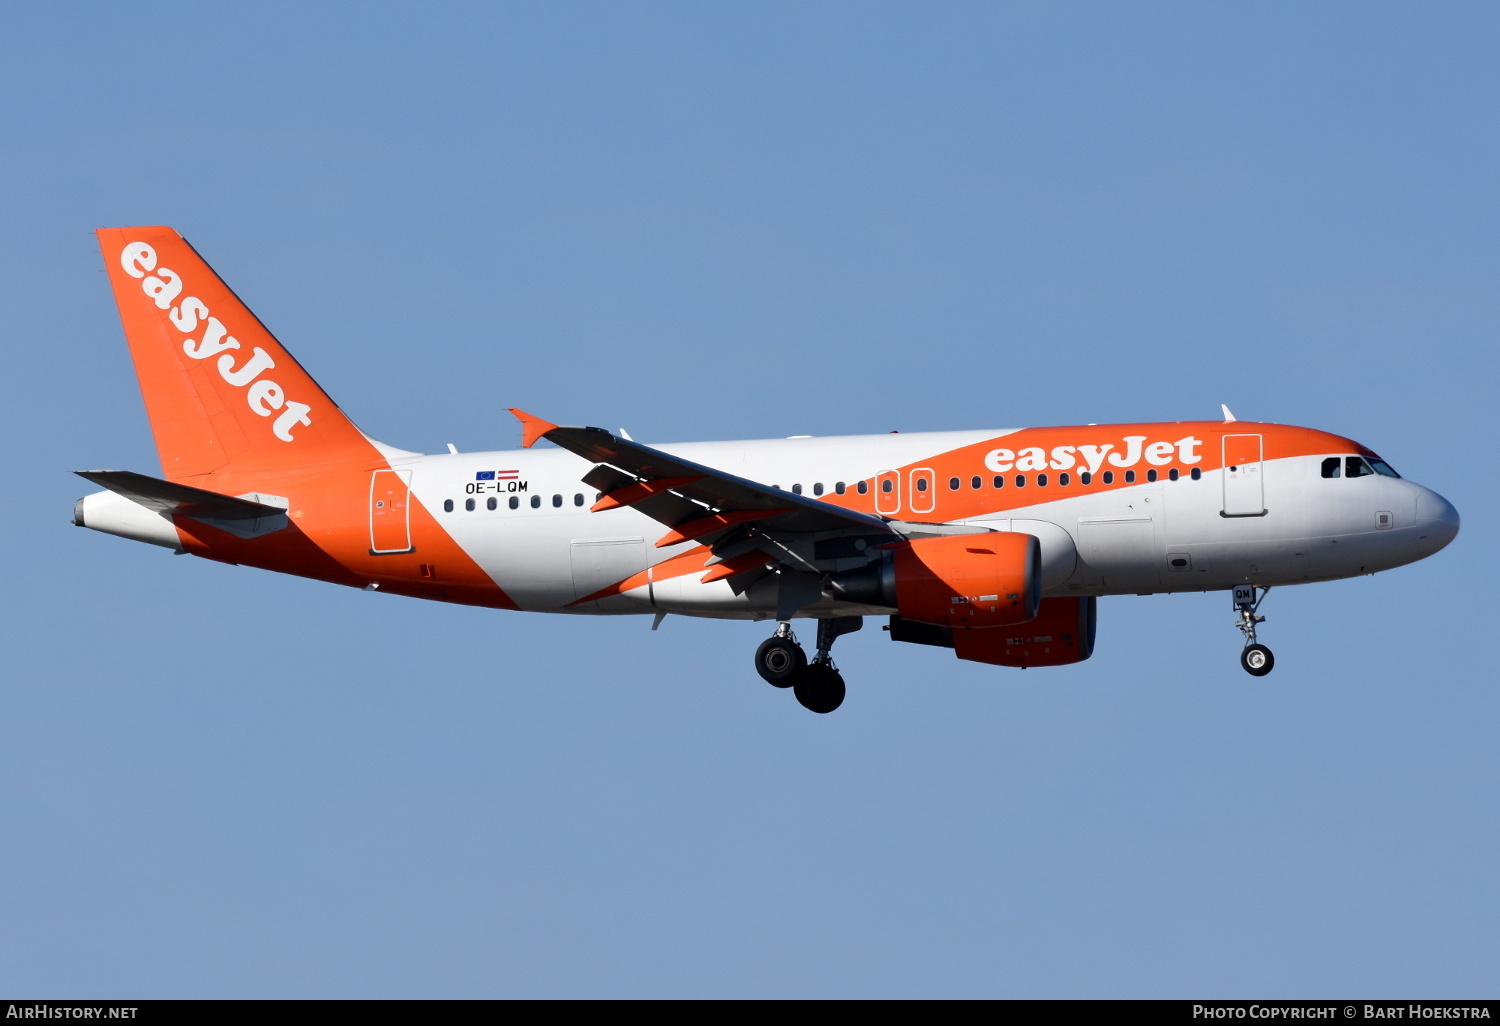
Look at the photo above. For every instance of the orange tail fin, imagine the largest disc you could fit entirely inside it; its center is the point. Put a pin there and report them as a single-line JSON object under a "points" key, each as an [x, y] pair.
{"points": [[219, 388]]}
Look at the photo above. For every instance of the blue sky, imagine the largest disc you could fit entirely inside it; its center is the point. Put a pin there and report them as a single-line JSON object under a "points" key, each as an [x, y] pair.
{"points": [[728, 221]]}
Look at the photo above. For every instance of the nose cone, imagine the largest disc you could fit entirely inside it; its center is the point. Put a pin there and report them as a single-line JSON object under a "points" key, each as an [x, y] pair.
{"points": [[1437, 521]]}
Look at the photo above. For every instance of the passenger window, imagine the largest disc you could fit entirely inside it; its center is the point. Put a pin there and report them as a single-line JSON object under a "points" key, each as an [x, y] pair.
{"points": [[447, 505], [976, 482], [557, 500], [536, 502], [953, 484], [1063, 479], [818, 488], [885, 486], [1109, 477], [1041, 480], [1356, 467], [838, 488], [1173, 474], [1331, 466], [1150, 475], [1085, 478], [578, 499], [796, 489], [862, 487], [491, 502], [469, 505], [1130, 477], [921, 484], [1020, 480], [999, 480], [1197, 473], [515, 503]]}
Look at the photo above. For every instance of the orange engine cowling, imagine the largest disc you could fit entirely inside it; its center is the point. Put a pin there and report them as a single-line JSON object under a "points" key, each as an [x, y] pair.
{"points": [[968, 580], [1062, 633]]}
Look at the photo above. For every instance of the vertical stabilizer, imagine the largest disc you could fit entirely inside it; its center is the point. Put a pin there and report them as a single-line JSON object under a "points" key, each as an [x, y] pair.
{"points": [[219, 389]]}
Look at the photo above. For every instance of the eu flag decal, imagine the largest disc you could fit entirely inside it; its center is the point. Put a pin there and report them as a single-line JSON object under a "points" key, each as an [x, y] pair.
{"points": [[484, 475]]}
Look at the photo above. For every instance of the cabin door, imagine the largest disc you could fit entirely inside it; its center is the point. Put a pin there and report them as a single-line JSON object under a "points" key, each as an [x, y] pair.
{"points": [[1244, 490], [390, 512]]}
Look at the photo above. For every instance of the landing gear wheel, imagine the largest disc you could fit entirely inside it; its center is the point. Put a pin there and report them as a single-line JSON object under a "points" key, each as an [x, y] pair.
{"points": [[780, 661], [820, 688], [1257, 660]]}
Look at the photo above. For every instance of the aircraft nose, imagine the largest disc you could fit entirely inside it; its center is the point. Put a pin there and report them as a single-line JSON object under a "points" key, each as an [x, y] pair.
{"points": [[1438, 520]]}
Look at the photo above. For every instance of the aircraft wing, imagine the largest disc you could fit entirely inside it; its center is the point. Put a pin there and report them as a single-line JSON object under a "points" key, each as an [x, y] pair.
{"points": [[698, 502]]}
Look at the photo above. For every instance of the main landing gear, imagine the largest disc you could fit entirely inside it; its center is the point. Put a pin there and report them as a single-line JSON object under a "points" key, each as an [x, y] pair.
{"points": [[1256, 658], [817, 685], [780, 660]]}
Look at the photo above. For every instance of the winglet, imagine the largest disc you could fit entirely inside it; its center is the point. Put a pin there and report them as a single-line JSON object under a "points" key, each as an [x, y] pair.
{"points": [[1228, 417], [533, 429]]}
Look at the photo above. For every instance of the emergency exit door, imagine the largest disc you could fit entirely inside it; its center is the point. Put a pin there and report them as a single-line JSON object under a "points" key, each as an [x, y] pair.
{"points": [[1244, 490], [888, 492], [921, 494], [390, 512]]}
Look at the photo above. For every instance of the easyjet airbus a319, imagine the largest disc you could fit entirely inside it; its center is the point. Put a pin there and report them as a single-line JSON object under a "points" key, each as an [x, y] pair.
{"points": [[995, 544]]}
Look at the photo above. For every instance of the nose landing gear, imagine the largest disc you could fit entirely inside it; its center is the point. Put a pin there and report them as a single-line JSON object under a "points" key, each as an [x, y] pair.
{"points": [[1255, 658], [817, 685]]}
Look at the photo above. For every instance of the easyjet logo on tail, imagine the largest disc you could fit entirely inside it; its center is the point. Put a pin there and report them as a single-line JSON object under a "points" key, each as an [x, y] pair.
{"points": [[162, 286], [1092, 457]]}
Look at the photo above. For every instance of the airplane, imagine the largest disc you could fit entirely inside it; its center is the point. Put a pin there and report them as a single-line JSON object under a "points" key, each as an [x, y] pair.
{"points": [[996, 544]]}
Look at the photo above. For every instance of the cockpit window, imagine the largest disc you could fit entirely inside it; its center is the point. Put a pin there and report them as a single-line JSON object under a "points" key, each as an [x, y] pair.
{"points": [[1382, 467], [1355, 466], [1331, 466]]}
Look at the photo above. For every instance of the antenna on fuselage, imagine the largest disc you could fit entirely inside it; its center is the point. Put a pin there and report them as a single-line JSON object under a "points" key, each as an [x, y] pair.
{"points": [[1229, 418]]}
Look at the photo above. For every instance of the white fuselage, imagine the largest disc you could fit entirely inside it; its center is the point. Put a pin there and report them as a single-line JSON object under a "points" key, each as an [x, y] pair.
{"points": [[549, 551]]}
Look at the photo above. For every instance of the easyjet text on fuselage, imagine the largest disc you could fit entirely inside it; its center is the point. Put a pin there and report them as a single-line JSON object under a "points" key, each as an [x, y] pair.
{"points": [[1091, 457]]}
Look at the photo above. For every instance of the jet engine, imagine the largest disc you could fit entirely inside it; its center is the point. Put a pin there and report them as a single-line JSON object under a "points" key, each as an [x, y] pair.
{"points": [[1062, 632], [959, 581]]}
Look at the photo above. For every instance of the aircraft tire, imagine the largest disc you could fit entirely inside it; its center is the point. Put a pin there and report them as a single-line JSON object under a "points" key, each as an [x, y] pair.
{"points": [[820, 688], [1257, 660], [780, 661]]}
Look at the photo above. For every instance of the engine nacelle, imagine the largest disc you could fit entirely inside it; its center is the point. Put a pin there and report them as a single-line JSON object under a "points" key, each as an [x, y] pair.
{"points": [[1062, 632], [963, 581]]}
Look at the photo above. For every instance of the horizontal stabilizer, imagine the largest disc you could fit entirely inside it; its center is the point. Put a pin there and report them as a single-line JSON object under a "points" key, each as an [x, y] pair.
{"points": [[179, 500]]}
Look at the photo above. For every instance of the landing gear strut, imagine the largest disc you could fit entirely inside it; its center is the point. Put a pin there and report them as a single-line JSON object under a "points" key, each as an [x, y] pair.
{"points": [[817, 685], [1256, 658]]}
